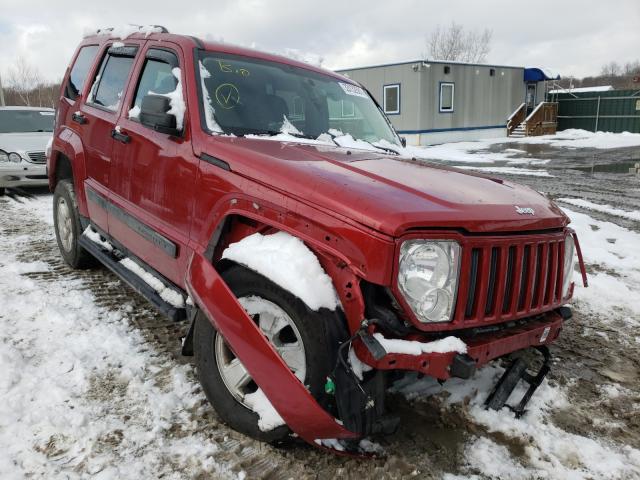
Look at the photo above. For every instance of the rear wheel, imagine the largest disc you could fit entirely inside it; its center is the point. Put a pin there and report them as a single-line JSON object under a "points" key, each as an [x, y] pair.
{"points": [[66, 221], [296, 332]]}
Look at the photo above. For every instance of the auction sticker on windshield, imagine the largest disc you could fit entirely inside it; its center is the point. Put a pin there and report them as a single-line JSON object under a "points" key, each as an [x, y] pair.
{"points": [[353, 90]]}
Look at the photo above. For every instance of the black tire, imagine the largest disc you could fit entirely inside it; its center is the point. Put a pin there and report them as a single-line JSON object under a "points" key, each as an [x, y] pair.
{"points": [[1, 191], [315, 338], [75, 256]]}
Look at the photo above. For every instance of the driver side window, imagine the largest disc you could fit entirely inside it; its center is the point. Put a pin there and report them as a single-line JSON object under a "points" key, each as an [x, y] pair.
{"points": [[156, 78]]}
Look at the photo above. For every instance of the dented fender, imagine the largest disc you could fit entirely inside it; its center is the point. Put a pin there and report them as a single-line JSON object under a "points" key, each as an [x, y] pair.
{"points": [[287, 394]]}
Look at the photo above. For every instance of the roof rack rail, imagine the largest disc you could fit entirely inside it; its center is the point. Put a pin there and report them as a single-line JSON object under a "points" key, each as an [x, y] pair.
{"points": [[140, 27]]}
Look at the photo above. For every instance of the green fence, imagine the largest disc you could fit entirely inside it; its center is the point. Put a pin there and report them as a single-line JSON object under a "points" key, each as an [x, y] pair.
{"points": [[611, 111]]}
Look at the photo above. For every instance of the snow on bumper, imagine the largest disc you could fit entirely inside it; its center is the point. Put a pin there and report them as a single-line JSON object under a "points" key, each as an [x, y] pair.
{"points": [[480, 349]]}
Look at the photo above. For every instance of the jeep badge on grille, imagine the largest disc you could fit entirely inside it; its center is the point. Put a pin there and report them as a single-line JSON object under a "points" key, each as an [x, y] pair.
{"points": [[525, 210]]}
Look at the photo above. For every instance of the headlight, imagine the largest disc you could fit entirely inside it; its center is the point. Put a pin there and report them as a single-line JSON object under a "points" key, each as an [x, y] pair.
{"points": [[15, 157], [428, 278], [4, 156], [569, 265]]}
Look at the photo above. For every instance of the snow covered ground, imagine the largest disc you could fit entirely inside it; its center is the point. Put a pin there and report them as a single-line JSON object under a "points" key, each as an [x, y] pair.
{"points": [[92, 384], [509, 155]]}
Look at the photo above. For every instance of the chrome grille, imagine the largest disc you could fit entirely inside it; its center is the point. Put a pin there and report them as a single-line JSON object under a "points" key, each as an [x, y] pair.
{"points": [[37, 157]]}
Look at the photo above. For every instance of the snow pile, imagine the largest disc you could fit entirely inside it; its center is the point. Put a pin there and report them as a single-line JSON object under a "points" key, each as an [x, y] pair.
{"points": [[550, 451], [576, 138], [322, 139], [169, 295], [412, 347], [466, 152], [286, 261], [364, 446], [27, 267], [123, 31], [269, 418], [508, 171], [83, 394], [176, 101], [610, 247], [288, 127], [578, 202], [601, 88], [209, 112], [95, 237], [134, 113]]}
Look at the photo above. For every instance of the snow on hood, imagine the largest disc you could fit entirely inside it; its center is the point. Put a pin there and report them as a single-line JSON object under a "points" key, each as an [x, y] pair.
{"points": [[25, 142], [386, 192]]}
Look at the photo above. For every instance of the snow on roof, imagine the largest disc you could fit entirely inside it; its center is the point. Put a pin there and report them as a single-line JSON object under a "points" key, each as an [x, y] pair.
{"points": [[539, 74], [124, 31], [601, 88]]}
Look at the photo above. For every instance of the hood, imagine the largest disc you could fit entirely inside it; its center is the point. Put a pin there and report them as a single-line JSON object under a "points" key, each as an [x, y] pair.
{"points": [[24, 142], [389, 193]]}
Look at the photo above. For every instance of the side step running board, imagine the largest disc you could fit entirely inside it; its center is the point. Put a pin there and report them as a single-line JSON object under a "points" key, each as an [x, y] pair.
{"points": [[518, 371], [112, 262]]}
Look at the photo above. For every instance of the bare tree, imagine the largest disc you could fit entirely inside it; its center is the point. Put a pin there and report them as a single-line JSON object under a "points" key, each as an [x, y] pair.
{"points": [[455, 43], [25, 80], [631, 68], [611, 69]]}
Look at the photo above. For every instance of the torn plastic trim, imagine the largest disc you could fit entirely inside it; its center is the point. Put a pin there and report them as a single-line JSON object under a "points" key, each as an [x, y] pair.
{"points": [[583, 269], [480, 348], [287, 394]]}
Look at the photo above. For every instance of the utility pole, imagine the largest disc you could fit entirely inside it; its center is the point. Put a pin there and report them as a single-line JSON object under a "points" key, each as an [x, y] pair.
{"points": [[1, 93]]}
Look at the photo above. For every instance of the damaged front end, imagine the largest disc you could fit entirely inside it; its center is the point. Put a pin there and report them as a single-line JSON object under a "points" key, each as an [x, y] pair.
{"points": [[509, 298]]}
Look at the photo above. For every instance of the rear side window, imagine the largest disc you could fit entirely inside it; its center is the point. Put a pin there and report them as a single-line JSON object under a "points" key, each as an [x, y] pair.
{"points": [[80, 70], [108, 87]]}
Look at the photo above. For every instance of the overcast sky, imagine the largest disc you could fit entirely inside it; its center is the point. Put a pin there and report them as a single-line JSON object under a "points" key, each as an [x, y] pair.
{"points": [[570, 37]]}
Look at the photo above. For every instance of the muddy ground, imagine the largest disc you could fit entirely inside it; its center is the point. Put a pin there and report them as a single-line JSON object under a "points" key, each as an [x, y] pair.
{"points": [[590, 355]]}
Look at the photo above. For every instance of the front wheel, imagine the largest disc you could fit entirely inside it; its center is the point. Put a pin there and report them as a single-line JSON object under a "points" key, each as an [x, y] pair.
{"points": [[66, 221], [297, 333]]}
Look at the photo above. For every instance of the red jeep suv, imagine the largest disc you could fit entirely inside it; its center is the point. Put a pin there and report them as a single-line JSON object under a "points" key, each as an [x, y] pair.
{"points": [[270, 204]]}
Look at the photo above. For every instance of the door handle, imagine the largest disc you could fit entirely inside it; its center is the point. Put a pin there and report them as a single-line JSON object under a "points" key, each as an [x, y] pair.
{"points": [[79, 118], [120, 136]]}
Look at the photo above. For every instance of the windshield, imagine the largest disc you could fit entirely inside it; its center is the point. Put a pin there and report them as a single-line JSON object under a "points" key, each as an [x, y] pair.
{"points": [[243, 95], [17, 121]]}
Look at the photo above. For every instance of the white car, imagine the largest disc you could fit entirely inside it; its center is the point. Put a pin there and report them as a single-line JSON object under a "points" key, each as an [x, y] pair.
{"points": [[24, 135]]}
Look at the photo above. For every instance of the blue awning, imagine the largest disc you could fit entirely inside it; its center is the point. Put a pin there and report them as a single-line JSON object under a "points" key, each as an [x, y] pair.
{"points": [[535, 74]]}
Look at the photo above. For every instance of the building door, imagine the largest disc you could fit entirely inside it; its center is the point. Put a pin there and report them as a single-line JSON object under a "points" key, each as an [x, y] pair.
{"points": [[530, 98]]}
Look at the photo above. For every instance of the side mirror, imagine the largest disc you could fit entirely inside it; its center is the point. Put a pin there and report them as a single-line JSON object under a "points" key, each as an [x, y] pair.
{"points": [[153, 113], [403, 141]]}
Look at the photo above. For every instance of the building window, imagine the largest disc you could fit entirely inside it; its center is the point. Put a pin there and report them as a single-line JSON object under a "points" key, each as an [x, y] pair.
{"points": [[298, 108], [348, 108], [447, 92], [391, 99]]}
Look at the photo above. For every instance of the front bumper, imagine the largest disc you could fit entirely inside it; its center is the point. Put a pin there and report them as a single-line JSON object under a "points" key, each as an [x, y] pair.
{"points": [[481, 348], [23, 174]]}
